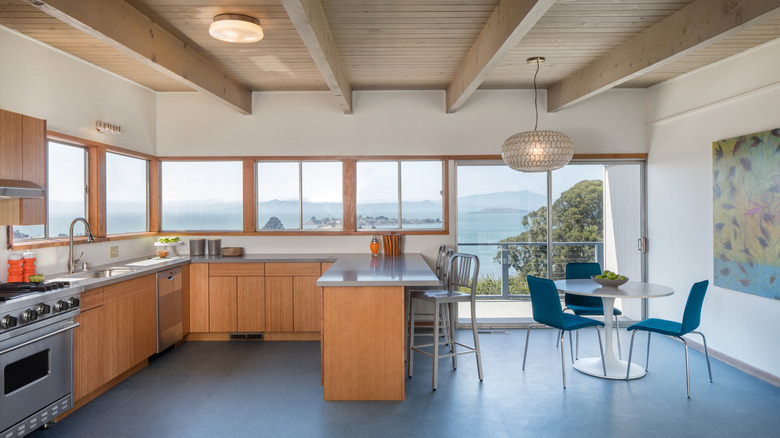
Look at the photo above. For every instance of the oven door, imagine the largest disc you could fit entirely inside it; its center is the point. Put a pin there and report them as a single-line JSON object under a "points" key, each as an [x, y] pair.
{"points": [[36, 369]]}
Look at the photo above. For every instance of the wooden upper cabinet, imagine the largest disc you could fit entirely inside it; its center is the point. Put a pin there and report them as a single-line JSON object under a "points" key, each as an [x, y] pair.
{"points": [[22, 157]]}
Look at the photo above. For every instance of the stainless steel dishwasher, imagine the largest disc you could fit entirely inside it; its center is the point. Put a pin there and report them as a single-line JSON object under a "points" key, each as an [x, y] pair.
{"points": [[169, 308]]}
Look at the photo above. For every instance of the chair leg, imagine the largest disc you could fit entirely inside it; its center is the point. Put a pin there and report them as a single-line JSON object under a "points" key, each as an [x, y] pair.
{"points": [[706, 353], [563, 360], [601, 350], [476, 339], [409, 352], [647, 360], [617, 336], [687, 371], [451, 333], [525, 350], [557, 339], [571, 347], [436, 316], [576, 354], [630, 353]]}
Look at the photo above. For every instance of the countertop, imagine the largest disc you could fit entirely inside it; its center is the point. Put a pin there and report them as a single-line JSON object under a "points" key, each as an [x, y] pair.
{"points": [[268, 258], [141, 267], [380, 270]]}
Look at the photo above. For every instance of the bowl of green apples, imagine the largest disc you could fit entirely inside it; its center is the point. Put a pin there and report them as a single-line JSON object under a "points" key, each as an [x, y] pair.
{"points": [[609, 278]]}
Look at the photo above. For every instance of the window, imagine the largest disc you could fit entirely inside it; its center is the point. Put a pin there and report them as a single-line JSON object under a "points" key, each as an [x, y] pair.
{"points": [[126, 194], [202, 195], [300, 195], [66, 182], [399, 194]]}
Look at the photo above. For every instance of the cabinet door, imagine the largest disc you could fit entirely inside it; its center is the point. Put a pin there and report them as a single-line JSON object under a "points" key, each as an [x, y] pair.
{"points": [[89, 348], [279, 304], [144, 330], [119, 337], [34, 168], [251, 304], [222, 304], [199, 297], [306, 304], [11, 147]]}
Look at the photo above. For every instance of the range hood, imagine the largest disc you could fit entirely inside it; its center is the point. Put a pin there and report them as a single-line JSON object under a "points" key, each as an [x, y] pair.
{"points": [[14, 188]]}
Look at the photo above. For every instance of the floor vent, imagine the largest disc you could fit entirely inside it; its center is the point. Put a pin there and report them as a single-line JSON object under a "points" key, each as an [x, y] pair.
{"points": [[247, 336], [493, 332]]}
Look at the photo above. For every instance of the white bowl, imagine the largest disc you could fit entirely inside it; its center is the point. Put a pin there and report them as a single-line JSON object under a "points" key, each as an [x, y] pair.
{"points": [[605, 282]]}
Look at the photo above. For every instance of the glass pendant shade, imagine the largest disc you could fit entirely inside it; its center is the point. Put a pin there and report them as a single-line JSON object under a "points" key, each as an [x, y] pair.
{"points": [[236, 28], [537, 151]]}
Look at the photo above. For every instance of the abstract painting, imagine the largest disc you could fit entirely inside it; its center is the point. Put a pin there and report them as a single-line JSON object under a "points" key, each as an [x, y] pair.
{"points": [[746, 199]]}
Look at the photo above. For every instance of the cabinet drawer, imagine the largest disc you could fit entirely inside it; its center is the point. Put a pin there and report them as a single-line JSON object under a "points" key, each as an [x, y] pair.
{"points": [[129, 288], [91, 298], [236, 269], [292, 269]]}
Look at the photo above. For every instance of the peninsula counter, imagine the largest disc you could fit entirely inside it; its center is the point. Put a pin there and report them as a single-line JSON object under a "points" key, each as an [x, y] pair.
{"points": [[363, 324]]}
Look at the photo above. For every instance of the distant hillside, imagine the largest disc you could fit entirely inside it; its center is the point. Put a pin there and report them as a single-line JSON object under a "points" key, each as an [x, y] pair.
{"points": [[501, 202]]}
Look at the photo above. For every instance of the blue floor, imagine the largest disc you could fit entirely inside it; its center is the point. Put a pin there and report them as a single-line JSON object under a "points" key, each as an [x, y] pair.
{"points": [[272, 389]]}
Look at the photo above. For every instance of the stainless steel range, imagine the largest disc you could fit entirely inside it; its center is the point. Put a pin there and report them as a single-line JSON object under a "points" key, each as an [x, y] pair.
{"points": [[36, 354]]}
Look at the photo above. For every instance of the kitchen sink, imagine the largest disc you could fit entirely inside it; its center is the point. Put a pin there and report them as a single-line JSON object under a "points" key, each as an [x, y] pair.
{"points": [[103, 273]]}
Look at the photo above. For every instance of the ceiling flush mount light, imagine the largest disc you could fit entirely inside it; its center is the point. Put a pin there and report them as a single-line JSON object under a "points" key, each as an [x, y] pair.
{"points": [[537, 151], [236, 28]]}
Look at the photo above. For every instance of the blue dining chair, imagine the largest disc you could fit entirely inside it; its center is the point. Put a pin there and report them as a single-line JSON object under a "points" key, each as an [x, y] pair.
{"points": [[587, 306], [690, 322], [546, 308]]}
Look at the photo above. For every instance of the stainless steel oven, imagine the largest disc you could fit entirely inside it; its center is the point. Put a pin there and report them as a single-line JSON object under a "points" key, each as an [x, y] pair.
{"points": [[36, 358]]}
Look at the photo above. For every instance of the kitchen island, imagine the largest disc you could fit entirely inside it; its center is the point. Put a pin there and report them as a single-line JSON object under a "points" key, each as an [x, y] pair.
{"points": [[363, 324]]}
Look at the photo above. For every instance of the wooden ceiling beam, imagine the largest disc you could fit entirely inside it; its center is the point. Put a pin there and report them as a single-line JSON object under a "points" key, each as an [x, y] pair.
{"points": [[309, 20], [696, 26], [123, 27], [507, 25]]}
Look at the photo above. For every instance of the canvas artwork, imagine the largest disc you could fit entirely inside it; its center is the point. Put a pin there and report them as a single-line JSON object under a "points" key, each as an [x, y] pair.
{"points": [[746, 199]]}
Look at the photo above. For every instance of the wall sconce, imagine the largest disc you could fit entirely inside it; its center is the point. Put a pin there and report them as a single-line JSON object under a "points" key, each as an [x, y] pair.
{"points": [[107, 128]]}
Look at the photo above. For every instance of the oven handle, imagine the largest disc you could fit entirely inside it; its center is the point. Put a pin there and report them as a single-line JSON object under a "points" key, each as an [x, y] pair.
{"points": [[70, 326]]}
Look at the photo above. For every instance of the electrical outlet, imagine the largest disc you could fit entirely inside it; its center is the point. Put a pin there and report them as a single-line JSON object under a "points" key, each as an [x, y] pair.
{"points": [[114, 252]]}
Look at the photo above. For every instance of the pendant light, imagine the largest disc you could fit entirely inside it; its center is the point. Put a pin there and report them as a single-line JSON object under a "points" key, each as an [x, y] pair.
{"points": [[537, 151], [236, 28]]}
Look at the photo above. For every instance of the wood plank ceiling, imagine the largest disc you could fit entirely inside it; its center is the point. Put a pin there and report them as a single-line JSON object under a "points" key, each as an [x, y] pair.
{"points": [[453, 45]]}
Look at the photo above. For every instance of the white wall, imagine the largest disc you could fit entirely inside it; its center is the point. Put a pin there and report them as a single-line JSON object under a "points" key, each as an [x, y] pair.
{"points": [[384, 123], [685, 115], [71, 95]]}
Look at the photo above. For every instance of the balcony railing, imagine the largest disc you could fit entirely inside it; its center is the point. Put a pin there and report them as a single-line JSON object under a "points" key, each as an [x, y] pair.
{"points": [[515, 286]]}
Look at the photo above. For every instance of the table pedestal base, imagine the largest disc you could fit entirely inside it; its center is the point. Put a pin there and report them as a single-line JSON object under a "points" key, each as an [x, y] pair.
{"points": [[616, 369]]}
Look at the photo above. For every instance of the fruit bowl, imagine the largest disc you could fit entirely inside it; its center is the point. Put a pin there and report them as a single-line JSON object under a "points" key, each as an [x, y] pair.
{"points": [[606, 282]]}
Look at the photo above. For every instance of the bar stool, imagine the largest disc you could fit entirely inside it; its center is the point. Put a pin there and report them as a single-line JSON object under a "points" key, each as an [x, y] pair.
{"points": [[462, 273]]}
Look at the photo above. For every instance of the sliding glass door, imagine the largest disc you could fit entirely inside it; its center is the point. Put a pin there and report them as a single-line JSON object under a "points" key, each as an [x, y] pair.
{"points": [[596, 214]]}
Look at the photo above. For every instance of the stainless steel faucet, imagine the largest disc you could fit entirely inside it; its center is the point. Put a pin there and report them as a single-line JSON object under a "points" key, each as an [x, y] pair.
{"points": [[90, 238]]}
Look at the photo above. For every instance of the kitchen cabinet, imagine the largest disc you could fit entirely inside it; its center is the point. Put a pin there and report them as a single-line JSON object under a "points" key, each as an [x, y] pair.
{"points": [[117, 331], [22, 157], [89, 345], [292, 297], [227, 297], [131, 323]]}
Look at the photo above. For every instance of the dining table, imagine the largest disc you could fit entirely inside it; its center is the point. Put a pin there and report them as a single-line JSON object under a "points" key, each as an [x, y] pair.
{"points": [[615, 367]]}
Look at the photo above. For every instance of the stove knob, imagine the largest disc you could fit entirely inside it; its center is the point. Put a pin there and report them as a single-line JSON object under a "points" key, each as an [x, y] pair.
{"points": [[61, 306], [29, 315], [43, 309], [73, 302], [8, 321]]}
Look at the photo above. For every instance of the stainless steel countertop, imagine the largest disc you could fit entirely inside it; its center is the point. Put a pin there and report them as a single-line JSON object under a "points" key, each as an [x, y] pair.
{"points": [[367, 270]]}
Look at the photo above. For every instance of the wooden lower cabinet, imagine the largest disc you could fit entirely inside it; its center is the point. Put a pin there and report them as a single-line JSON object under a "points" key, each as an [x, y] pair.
{"points": [[279, 304], [117, 331], [250, 294], [306, 304], [89, 348], [255, 297]]}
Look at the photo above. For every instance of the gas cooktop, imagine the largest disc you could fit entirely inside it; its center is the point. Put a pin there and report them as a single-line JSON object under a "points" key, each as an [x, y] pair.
{"points": [[10, 291]]}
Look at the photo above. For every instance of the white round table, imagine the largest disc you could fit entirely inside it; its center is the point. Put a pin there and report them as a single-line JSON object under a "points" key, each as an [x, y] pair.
{"points": [[616, 368]]}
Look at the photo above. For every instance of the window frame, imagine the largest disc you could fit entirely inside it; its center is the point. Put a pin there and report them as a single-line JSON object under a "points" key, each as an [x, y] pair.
{"points": [[147, 187]]}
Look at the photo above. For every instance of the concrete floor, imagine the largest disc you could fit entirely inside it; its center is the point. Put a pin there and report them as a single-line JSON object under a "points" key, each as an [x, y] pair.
{"points": [[272, 389]]}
